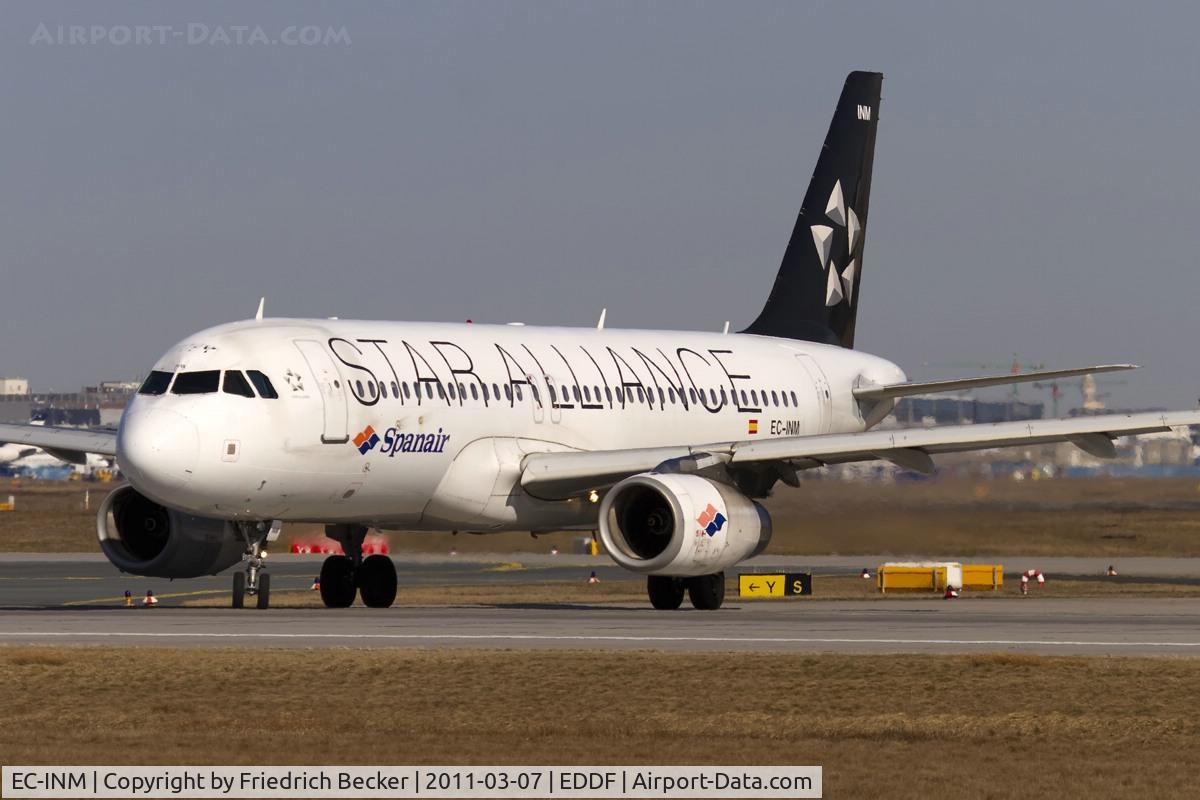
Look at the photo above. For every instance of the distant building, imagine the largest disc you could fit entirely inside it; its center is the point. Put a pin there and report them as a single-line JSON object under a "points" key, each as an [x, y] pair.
{"points": [[14, 387], [102, 404], [937, 410]]}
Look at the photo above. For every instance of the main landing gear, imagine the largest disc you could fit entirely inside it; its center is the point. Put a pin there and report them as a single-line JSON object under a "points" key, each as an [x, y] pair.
{"points": [[373, 577], [707, 592], [254, 581]]}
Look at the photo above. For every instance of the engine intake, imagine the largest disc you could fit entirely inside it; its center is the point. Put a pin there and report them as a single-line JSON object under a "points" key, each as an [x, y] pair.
{"points": [[142, 537], [681, 525]]}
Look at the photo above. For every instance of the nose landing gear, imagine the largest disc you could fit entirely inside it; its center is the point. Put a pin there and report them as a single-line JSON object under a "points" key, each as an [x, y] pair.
{"points": [[254, 581], [372, 578]]}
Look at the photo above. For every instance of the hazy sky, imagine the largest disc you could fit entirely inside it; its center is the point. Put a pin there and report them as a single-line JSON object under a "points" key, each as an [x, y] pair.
{"points": [[1036, 190]]}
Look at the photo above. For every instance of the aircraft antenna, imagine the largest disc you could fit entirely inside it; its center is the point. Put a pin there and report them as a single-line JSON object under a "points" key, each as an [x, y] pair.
{"points": [[603, 314], [262, 301]]}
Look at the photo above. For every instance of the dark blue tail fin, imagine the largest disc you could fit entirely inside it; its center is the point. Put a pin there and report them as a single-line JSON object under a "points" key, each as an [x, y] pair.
{"points": [[817, 290]]}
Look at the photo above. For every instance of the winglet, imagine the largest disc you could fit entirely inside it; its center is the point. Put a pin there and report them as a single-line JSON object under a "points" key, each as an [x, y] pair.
{"points": [[262, 301], [603, 314]]}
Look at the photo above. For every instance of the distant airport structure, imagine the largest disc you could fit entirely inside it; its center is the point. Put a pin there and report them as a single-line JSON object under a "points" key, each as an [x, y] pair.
{"points": [[91, 406]]}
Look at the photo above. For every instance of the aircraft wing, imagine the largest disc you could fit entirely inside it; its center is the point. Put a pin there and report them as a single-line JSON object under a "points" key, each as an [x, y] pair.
{"points": [[959, 384], [68, 444], [560, 475]]}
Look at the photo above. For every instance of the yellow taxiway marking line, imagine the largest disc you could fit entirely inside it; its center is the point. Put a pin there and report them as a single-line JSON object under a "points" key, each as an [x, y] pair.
{"points": [[60, 578], [138, 598]]}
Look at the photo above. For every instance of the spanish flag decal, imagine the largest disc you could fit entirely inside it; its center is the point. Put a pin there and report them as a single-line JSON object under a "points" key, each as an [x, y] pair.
{"points": [[752, 427]]}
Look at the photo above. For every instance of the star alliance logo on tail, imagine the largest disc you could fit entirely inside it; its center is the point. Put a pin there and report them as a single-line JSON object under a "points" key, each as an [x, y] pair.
{"points": [[711, 520], [366, 441]]}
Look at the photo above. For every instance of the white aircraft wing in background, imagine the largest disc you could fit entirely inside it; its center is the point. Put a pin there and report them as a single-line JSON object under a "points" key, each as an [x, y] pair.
{"points": [[560, 475], [68, 444]]}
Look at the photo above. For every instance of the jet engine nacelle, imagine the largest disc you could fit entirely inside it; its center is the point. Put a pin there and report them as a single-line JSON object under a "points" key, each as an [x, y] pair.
{"points": [[141, 537], [681, 525]]}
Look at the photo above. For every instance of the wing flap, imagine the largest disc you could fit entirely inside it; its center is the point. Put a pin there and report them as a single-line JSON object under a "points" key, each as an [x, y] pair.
{"points": [[894, 390]]}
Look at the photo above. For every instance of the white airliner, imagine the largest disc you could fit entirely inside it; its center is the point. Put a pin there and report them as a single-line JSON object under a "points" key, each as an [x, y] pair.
{"points": [[659, 440]]}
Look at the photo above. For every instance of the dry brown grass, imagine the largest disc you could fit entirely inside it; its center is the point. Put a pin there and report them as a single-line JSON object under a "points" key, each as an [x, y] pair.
{"points": [[1099, 517], [997, 726]]}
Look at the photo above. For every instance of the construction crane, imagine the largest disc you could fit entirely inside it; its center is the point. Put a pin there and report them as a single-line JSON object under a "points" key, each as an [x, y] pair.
{"points": [[1014, 367], [1087, 386]]}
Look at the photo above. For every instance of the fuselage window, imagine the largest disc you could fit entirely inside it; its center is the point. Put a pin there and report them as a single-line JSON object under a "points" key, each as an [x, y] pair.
{"points": [[662, 397], [712, 393], [795, 401], [383, 390], [508, 392], [692, 396], [156, 383], [371, 390], [774, 398], [723, 396], [474, 392], [587, 393], [517, 392], [671, 394], [450, 389], [359, 388], [429, 390], [783, 397], [641, 395], [263, 384], [395, 390], [441, 392], [578, 396], [754, 397], [620, 392], [404, 387], [608, 394], [236, 383], [496, 391], [553, 394], [202, 382]]}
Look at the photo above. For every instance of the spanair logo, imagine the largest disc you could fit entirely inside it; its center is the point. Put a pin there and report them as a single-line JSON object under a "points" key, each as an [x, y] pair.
{"points": [[396, 442], [711, 520], [366, 441]]}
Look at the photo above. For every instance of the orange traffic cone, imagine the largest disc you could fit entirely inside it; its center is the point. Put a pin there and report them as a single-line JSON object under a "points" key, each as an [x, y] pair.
{"points": [[149, 599]]}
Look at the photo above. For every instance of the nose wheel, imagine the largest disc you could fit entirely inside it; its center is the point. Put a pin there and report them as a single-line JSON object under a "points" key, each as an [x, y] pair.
{"points": [[254, 581], [343, 577]]}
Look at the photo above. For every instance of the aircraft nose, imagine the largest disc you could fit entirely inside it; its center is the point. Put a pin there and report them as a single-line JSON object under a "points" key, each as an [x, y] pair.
{"points": [[157, 450]]}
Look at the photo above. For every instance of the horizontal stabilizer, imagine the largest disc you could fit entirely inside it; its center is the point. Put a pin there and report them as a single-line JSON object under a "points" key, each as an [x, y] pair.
{"points": [[959, 384]]}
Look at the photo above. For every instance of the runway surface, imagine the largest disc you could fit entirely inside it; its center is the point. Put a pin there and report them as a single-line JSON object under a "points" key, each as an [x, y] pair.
{"points": [[76, 600]]}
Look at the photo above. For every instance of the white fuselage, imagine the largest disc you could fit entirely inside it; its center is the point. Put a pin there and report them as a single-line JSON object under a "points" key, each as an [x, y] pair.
{"points": [[455, 408]]}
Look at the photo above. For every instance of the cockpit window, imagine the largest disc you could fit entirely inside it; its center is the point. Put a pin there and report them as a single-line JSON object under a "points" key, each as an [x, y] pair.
{"points": [[202, 382], [263, 384], [156, 383], [236, 383], [196, 383]]}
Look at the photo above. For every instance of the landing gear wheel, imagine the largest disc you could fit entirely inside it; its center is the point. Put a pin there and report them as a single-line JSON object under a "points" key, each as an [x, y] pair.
{"points": [[666, 593], [707, 592], [239, 589], [264, 590], [337, 582], [377, 581]]}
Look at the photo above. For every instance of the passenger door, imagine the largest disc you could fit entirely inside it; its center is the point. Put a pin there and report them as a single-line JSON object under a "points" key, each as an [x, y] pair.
{"points": [[333, 390], [811, 373]]}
